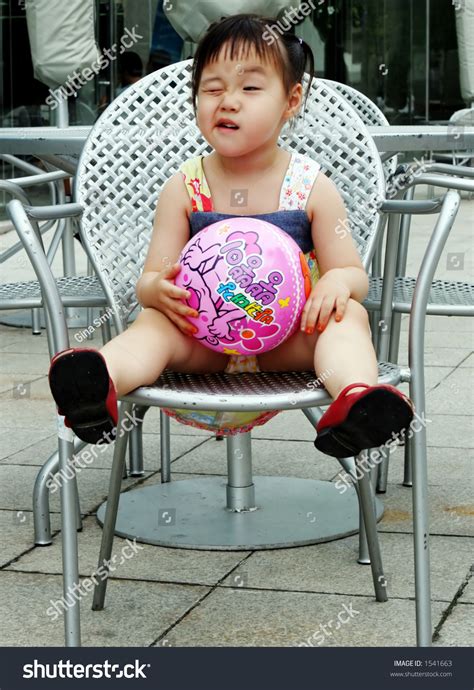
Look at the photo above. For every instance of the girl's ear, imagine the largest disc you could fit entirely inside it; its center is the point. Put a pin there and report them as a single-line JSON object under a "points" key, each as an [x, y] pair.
{"points": [[294, 102]]}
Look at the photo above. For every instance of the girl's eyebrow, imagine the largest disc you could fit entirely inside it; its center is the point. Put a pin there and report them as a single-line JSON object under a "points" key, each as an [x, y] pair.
{"points": [[205, 81], [254, 68]]}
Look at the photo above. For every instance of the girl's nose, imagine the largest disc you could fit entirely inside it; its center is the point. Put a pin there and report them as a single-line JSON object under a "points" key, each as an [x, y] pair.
{"points": [[230, 101]]}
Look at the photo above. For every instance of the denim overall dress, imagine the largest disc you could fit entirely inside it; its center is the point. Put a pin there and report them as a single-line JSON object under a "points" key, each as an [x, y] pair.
{"points": [[290, 217]]}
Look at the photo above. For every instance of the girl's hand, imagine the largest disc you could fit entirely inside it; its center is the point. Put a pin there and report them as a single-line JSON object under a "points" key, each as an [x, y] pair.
{"points": [[329, 293], [168, 298]]}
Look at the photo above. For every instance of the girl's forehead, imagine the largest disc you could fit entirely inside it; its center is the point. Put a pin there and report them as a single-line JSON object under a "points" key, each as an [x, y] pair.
{"points": [[244, 55]]}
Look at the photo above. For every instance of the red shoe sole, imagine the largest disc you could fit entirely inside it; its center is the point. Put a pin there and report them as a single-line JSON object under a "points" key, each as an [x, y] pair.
{"points": [[372, 420], [84, 394]]}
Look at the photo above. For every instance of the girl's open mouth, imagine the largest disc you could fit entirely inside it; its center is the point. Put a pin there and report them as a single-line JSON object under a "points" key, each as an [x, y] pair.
{"points": [[226, 125]]}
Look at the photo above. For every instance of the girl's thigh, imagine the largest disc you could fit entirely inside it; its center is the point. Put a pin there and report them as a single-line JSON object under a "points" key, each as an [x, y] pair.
{"points": [[199, 359], [295, 354]]}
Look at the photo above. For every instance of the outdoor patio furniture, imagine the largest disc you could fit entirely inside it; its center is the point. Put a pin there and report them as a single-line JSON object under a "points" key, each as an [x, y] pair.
{"points": [[447, 298], [135, 146]]}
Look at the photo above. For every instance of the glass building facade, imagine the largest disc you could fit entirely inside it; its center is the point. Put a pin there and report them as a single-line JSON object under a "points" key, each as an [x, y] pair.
{"points": [[403, 54]]}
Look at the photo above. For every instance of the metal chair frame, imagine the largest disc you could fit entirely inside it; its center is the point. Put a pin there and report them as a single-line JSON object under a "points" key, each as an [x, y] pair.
{"points": [[446, 298], [116, 206]]}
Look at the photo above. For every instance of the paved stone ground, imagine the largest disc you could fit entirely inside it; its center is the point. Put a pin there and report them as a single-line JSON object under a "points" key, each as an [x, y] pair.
{"points": [[172, 597]]}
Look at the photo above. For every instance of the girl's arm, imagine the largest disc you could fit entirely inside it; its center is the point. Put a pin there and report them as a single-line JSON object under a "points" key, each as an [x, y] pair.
{"points": [[335, 249], [156, 287], [170, 234]]}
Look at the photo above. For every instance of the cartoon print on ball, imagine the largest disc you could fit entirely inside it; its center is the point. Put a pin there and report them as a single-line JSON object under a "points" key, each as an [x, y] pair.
{"points": [[247, 282]]}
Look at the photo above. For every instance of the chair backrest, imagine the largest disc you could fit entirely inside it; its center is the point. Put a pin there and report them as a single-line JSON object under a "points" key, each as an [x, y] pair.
{"points": [[145, 134], [369, 113]]}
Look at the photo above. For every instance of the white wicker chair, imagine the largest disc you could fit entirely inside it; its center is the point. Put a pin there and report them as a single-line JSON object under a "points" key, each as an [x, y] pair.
{"points": [[140, 141]]}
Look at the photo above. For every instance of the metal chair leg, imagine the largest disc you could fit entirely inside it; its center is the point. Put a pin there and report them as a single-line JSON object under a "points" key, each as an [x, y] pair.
{"points": [[41, 516], [416, 437], [165, 450], [313, 415], [72, 621], [36, 321], [78, 509], [366, 498], [421, 540], [105, 329], [89, 318], [407, 466], [382, 475], [112, 508], [136, 444], [364, 556]]}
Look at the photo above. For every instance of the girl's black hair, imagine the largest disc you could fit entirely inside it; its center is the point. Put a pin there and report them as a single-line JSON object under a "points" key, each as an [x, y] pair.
{"points": [[265, 36]]}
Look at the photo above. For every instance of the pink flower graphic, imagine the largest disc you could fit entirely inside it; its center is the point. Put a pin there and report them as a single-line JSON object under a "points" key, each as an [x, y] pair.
{"points": [[250, 335]]}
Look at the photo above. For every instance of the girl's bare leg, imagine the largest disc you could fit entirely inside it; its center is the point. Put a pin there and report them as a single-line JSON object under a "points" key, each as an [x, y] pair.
{"points": [[152, 343], [343, 353]]}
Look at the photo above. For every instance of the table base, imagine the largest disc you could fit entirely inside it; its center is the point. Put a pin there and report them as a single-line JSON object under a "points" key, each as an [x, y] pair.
{"points": [[191, 514]]}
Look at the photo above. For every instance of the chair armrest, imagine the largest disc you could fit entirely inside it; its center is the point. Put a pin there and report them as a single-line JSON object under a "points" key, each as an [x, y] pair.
{"points": [[449, 169], [421, 293], [51, 298], [14, 190], [50, 212], [444, 181], [406, 177], [411, 206], [40, 178]]}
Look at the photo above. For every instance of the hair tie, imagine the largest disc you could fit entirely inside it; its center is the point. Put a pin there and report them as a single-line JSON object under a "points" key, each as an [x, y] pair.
{"points": [[300, 40]]}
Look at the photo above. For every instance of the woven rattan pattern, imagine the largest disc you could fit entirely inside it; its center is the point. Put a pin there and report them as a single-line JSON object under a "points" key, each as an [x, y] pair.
{"points": [[148, 130]]}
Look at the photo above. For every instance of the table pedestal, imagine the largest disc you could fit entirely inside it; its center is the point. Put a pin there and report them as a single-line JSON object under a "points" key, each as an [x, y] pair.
{"points": [[192, 514]]}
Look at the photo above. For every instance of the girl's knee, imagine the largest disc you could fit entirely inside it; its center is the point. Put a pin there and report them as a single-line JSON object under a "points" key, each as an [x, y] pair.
{"points": [[357, 310], [153, 317]]}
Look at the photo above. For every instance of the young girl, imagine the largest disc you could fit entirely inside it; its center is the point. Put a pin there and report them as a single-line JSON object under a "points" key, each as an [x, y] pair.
{"points": [[245, 88]]}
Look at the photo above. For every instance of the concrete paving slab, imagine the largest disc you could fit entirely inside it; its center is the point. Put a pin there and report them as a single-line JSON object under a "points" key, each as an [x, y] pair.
{"points": [[249, 618], [135, 614], [444, 465], [17, 481], [333, 568], [458, 628], [21, 438], [37, 454], [153, 563], [453, 395], [467, 596], [451, 510], [16, 530]]}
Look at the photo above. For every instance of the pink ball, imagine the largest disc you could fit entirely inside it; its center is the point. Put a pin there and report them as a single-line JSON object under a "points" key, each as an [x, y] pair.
{"points": [[249, 282]]}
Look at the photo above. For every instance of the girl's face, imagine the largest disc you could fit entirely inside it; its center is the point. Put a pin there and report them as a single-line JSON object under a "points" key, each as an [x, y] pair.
{"points": [[248, 94]]}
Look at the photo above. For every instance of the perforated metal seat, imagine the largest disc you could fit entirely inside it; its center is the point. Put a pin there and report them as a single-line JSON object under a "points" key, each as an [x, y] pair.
{"points": [[263, 391], [84, 291], [446, 297]]}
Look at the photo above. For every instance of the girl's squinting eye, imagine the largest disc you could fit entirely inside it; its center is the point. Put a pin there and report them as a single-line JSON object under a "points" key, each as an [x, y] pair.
{"points": [[254, 88]]}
